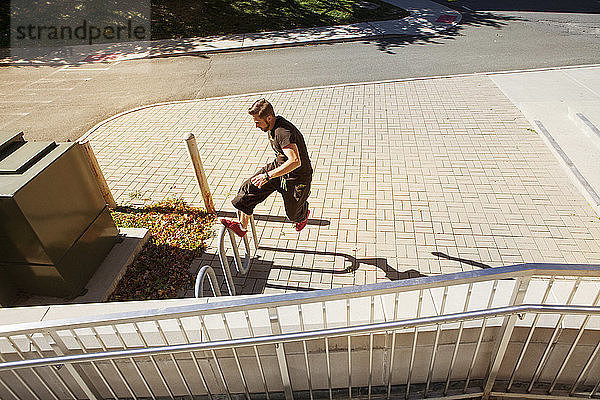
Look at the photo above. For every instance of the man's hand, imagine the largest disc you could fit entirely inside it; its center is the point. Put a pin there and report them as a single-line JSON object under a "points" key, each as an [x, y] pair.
{"points": [[292, 162], [259, 180]]}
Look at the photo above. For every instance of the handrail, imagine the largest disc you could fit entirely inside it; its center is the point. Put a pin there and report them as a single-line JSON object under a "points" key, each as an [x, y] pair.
{"points": [[204, 272], [256, 302], [242, 268], [307, 335]]}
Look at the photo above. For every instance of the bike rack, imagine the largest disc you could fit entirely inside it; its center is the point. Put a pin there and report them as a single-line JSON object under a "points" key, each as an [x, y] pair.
{"points": [[242, 268], [204, 272]]}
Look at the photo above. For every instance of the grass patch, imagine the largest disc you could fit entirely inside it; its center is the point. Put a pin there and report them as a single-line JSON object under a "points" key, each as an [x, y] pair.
{"points": [[179, 18], [161, 269], [173, 19]]}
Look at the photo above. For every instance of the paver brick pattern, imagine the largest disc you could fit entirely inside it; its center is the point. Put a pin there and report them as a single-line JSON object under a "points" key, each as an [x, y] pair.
{"points": [[412, 177]]}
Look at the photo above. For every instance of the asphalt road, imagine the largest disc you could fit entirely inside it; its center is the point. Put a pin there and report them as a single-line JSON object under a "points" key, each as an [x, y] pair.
{"points": [[60, 104]]}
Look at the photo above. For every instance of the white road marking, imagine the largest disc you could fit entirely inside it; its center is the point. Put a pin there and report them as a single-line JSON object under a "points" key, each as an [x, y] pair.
{"points": [[26, 101], [13, 116], [66, 69], [584, 183], [63, 79], [45, 88]]}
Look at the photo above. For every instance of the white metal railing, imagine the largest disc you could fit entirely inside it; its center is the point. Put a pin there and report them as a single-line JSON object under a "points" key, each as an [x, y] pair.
{"points": [[242, 268], [525, 331]]}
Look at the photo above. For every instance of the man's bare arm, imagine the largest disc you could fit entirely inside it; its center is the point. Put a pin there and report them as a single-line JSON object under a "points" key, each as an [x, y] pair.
{"points": [[293, 161]]}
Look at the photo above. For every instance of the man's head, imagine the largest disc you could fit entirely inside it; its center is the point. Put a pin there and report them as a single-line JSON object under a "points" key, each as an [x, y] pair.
{"points": [[263, 114]]}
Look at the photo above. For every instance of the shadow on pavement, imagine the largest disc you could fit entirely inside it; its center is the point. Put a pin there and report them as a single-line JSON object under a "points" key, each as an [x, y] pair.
{"points": [[472, 18], [257, 278], [461, 260], [273, 218], [285, 287], [555, 6], [378, 262]]}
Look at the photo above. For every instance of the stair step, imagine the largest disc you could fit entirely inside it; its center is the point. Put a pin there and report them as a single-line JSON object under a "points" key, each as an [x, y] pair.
{"points": [[7, 139], [24, 157]]}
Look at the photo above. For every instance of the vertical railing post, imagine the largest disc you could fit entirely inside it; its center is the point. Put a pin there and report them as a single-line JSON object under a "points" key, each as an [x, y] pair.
{"points": [[100, 180], [283, 367], [504, 335], [192, 147], [76, 371]]}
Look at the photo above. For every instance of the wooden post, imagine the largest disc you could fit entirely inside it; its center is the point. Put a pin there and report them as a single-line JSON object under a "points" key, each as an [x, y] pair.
{"points": [[192, 146], [102, 185]]}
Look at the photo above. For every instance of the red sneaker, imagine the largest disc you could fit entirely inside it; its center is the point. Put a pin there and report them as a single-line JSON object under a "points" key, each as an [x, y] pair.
{"points": [[235, 226], [301, 225]]}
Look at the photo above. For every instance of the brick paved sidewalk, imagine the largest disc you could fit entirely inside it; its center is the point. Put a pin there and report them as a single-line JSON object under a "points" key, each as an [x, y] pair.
{"points": [[413, 177]]}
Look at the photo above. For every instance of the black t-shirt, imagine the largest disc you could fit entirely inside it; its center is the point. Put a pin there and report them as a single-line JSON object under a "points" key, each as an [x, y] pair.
{"points": [[282, 134]]}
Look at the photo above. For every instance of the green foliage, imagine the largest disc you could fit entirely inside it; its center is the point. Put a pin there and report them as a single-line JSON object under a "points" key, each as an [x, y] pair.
{"points": [[161, 269], [179, 18], [4, 24]]}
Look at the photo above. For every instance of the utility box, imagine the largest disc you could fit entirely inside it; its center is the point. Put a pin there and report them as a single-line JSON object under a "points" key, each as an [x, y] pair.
{"points": [[55, 228]]}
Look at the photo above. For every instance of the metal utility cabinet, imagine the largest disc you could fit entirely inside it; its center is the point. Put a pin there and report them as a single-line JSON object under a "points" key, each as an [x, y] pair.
{"points": [[55, 228]]}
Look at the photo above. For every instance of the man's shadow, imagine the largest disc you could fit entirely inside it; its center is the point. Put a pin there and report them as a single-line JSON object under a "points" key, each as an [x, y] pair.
{"points": [[273, 218], [461, 260], [378, 262], [256, 280]]}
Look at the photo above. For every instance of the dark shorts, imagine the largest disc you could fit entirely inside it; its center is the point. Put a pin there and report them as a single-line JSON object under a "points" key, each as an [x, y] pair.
{"points": [[294, 194]]}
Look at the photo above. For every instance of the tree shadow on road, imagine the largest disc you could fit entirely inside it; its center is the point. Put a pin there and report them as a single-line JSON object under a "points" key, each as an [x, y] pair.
{"points": [[475, 18], [550, 6]]}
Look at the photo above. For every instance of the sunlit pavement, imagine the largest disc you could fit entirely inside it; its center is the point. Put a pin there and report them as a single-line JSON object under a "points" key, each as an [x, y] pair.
{"points": [[411, 177]]}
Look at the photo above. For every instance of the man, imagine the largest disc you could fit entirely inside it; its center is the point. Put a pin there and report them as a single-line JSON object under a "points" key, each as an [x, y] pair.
{"points": [[290, 173]]}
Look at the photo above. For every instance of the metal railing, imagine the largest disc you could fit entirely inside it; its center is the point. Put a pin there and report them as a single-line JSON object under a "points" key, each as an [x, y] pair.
{"points": [[242, 268], [526, 331]]}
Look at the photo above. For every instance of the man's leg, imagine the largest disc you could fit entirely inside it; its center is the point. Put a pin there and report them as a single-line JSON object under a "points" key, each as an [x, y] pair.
{"points": [[295, 201], [244, 219], [248, 197]]}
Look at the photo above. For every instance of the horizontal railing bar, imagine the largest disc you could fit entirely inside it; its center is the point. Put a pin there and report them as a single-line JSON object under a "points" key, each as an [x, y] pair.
{"points": [[432, 396], [299, 336], [532, 396], [474, 395], [288, 299]]}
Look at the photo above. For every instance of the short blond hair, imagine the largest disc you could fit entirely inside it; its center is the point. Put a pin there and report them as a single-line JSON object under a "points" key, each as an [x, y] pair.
{"points": [[261, 108]]}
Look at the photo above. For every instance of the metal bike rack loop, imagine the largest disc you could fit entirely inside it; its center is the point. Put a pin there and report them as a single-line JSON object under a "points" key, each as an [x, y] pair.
{"points": [[204, 272], [242, 268]]}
